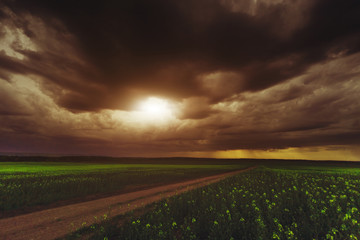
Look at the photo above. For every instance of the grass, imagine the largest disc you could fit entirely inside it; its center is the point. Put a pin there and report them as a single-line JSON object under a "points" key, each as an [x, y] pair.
{"points": [[281, 200], [262, 204], [26, 184], [317, 169], [66, 168]]}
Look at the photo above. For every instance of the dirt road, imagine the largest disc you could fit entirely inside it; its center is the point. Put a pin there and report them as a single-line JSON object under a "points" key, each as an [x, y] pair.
{"points": [[57, 222]]}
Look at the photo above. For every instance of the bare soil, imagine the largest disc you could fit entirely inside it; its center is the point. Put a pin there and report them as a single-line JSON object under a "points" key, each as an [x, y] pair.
{"points": [[57, 222]]}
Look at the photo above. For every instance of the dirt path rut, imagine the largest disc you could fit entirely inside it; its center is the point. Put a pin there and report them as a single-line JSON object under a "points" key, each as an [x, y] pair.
{"points": [[57, 222]]}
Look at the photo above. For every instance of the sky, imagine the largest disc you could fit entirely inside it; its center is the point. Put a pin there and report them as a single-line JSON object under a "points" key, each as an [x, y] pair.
{"points": [[194, 78]]}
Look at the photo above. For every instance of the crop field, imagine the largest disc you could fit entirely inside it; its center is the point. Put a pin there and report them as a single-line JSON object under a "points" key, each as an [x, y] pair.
{"points": [[265, 203], [25, 184]]}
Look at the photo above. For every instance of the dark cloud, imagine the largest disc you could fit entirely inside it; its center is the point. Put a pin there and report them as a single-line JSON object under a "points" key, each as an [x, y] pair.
{"points": [[266, 141], [40, 144], [242, 74], [164, 47], [195, 108]]}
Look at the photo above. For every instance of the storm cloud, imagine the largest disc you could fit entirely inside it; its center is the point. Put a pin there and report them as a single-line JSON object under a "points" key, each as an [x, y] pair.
{"points": [[241, 74]]}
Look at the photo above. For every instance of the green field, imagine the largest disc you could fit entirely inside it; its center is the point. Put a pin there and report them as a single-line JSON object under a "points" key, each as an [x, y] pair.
{"points": [[277, 200], [26, 184], [265, 203]]}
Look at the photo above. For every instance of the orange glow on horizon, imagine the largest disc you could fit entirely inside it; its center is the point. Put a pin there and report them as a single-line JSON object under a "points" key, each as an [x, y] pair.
{"points": [[313, 153]]}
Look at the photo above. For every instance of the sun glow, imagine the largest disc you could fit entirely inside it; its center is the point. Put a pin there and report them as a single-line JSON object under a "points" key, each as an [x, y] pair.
{"points": [[155, 108]]}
